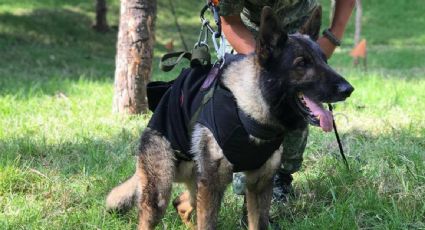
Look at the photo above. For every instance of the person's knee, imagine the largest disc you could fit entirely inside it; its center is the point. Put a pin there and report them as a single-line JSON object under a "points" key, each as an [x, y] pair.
{"points": [[294, 144], [290, 166]]}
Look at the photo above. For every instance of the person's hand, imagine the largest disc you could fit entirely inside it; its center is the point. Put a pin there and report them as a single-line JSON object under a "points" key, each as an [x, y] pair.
{"points": [[327, 47]]}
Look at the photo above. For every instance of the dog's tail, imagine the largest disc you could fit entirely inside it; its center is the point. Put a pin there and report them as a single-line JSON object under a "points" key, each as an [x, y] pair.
{"points": [[123, 197]]}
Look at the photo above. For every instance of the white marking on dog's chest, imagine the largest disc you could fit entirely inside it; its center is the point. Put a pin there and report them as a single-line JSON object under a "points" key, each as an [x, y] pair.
{"points": [[242, 78]]}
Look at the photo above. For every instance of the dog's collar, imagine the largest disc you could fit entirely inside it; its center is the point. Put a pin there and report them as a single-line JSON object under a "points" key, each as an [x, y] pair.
{"points": [[256, 129]]}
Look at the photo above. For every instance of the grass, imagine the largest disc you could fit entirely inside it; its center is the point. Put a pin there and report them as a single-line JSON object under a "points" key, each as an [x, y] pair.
{"points": [[61, 148]]}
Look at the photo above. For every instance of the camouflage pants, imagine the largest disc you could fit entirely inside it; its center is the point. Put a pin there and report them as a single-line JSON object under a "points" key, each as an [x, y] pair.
{"points": [[293, 144]]}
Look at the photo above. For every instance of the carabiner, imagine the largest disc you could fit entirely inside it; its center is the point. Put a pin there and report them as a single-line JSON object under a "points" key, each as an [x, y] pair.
{"points": [[219, 48]]}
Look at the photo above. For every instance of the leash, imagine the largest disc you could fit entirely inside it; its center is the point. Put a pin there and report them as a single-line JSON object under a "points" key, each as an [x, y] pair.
{"points": [[341, 150]]}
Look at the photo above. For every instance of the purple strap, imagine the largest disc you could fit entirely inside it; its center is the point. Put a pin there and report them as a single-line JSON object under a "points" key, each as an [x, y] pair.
{"points": [[210, 78]]}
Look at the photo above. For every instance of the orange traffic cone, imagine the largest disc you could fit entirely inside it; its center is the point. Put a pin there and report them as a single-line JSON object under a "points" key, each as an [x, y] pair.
{"points": [[169, 46], [359, 51]]}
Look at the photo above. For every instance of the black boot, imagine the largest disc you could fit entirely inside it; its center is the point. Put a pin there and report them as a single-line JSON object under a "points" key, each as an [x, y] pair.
{"points": [[282, 187]]}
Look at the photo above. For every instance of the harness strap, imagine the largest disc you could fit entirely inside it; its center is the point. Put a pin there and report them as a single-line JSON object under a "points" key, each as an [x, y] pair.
{"points": [[256, 129], [341, 150], [210, 82], [200, 56], [204, 101], [169, 60]]}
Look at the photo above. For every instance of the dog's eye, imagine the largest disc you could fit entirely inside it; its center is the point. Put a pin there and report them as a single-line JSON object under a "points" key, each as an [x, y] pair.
{"points": [[299, 62]]}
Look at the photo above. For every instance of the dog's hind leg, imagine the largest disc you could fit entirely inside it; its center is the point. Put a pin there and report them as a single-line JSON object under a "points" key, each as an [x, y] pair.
{"points": [[259, 192], [156, 169], [214, 174]]}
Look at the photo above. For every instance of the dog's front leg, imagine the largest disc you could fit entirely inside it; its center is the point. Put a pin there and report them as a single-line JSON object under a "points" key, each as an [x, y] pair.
{"points": [[214, 174], [259, 192], [258, 205], [210, 193]]}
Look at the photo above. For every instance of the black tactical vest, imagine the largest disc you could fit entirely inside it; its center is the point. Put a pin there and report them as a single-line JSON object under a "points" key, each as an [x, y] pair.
{"points": [[229, 125]]}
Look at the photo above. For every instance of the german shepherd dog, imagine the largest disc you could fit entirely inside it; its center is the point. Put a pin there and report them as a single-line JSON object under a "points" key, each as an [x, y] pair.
{"points": [[282, 85]]}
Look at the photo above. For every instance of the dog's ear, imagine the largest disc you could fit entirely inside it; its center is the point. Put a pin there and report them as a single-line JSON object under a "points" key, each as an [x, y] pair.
{"points": [[312, 26], [271, 39]]}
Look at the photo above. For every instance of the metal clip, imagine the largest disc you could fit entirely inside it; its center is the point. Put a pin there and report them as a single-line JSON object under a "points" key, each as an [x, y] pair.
{"points": [[220, 47]]}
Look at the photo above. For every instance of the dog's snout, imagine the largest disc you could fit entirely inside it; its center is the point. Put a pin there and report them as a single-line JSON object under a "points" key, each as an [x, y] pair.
{"points": [[345, 89]]}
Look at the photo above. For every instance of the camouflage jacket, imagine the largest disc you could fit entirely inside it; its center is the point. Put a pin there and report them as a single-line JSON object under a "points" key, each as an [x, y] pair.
{"points": [[292, 13]]}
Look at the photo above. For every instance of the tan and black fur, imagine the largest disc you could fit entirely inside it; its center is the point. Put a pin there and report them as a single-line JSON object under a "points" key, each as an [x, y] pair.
{"points": [[263, 85]]}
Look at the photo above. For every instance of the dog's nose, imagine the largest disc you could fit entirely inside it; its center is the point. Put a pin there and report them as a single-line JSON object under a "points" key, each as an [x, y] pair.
{"points": [[345, 89]]}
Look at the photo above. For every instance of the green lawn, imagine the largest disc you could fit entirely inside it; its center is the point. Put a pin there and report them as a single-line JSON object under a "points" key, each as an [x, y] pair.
{"points": [[62, 150]]}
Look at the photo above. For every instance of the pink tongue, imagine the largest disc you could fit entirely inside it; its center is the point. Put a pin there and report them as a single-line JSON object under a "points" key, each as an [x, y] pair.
{"points": [[325, 116]]}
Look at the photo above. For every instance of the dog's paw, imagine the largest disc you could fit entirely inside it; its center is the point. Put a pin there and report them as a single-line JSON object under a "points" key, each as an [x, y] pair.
{"points": [[184, 209]]}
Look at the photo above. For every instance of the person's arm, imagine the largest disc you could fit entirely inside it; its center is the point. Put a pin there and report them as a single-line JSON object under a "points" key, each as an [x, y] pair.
{"points": [[343, 9], [237, 34]]}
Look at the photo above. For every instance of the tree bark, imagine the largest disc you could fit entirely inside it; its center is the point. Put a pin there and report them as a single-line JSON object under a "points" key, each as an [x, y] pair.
{"points": [[101, 24], [358, 28], [332, 11], [134, 55]]}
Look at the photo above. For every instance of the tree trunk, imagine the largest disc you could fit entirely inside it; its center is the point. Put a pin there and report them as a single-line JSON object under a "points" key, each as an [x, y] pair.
{"points": [[358, 28], [332, 11], [101, 24], [134, 55]]}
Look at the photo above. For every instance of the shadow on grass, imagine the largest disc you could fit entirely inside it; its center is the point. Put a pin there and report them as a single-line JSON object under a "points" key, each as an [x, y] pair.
{"points": [[45, 47], [51, 27], [46, 50], [29, 164], [70, 177]]}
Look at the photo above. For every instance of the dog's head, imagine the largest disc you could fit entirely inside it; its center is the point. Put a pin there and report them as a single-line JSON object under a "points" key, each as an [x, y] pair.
{"points": [[294, 74]]}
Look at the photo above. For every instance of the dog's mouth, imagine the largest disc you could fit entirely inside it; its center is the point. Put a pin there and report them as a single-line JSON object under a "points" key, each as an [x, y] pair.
{"points": [[314, 112]]}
